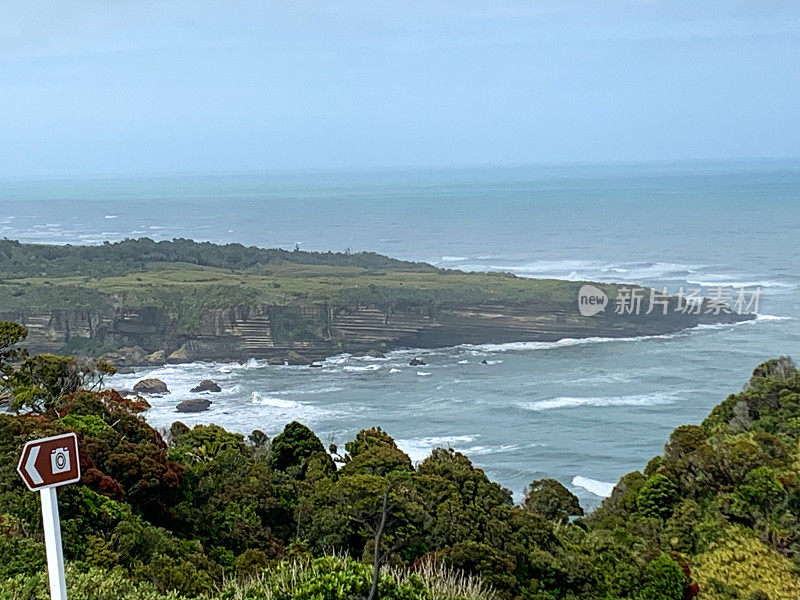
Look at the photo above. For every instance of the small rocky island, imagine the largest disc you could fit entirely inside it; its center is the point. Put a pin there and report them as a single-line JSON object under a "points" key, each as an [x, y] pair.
{"points": [[140, 302]]}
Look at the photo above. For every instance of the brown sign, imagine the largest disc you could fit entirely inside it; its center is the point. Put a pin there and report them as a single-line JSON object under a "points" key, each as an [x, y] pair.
{"points": [[49, 462]]}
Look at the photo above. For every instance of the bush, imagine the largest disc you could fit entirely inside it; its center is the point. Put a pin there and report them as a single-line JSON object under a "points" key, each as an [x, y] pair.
{"points": [[657, 497], [662, 579]]}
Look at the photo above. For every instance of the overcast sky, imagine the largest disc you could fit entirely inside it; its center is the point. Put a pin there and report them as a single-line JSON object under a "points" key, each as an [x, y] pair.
{"points": [[119, 86]]}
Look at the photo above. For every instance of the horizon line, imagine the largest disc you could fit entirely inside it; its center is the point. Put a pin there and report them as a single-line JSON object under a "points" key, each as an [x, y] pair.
{"points": [[397, 168]]}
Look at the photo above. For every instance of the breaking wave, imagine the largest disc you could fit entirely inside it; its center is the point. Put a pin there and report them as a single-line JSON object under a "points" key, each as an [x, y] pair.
{"points": [[652, 399], [602, 489]]}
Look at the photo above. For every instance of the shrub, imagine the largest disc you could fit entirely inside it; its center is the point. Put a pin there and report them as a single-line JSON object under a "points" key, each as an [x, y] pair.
{"points": [[657, 496]]}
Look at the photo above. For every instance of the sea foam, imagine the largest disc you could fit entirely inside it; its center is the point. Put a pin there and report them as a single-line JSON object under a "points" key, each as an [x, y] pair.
{"points": [[652, 399], [602, 489]]}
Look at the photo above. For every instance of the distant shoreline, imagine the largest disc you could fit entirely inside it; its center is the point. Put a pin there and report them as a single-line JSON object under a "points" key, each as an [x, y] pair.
{"points": [[142, 302]]}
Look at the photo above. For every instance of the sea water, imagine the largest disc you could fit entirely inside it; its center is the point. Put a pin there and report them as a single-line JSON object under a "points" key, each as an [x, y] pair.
{"points": [[582, 411]]}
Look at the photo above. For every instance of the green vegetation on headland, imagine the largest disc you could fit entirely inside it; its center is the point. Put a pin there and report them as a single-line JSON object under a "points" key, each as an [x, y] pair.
{"points": [[233, 273], [143, 302], [204, 513], [187, 278]]}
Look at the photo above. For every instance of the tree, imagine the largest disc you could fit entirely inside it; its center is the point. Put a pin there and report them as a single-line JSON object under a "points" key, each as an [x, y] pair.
{"points": [[11, 334], [657, 496], [552, 500], [684, 440], [374, 451], [662, 579], [39, 383], [291, 448], [387, 512]]}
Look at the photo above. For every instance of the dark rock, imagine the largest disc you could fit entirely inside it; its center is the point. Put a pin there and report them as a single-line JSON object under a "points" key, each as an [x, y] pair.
{"points": [[276, 361], [416, 362], [206, 386], [193, 405], [151, 386], [296, 360], [121, 370], [375, 354], [484, 362]]}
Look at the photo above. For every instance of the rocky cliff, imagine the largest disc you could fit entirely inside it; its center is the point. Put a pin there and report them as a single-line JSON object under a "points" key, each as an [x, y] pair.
{"points": [[319, 330]]}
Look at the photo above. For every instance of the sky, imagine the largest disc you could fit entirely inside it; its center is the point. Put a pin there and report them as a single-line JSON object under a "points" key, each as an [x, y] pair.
{"points": [[134, 87]]}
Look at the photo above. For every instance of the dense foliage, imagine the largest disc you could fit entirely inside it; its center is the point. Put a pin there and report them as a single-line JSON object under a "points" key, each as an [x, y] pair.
{"points": [[119, 258], [203, 512]]}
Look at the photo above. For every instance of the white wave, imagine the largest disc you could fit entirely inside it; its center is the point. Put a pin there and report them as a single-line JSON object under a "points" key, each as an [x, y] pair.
{"points": [[524, 346], [365, 358], [760, 317], [395, 371], [463, 362], [602, 489], [338, 359], [352, 369], [651, 399], [257, 398], [305, 391], [595, 270], [483, 450], [111, 216], [595, 379], [729, 283], [419, 448], [422, 373], [565, 342], [454, 258]]}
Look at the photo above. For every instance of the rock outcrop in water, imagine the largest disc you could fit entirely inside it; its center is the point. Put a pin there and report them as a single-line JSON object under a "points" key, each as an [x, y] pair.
{"points": [[298, 360], [151, 386], [206, 386], [193, 405]]}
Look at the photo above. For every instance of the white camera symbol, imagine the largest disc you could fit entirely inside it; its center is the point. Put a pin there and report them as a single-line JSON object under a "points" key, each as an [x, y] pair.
{"points": [[59, 460]]}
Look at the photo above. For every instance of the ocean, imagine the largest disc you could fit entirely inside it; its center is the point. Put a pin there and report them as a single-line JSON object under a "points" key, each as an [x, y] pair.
{"points": [[582, 411]]}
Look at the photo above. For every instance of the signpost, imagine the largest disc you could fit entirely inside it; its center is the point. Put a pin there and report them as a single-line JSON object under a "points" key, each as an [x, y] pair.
{"points": [[46, 464]]}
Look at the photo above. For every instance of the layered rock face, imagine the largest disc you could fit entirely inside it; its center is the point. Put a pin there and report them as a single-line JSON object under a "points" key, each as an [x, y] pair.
{"points": [[250, 331]]}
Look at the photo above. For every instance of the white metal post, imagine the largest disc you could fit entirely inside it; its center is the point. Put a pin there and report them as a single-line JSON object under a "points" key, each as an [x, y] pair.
{"points": [[52, 540]]}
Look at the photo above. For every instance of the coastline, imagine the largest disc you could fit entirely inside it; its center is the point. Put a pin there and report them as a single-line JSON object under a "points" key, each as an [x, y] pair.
{"points": [[514, 346]]}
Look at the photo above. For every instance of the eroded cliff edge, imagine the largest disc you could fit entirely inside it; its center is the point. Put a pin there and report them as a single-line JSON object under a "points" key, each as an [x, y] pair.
{"points": [[321, 330], [146, 302]]}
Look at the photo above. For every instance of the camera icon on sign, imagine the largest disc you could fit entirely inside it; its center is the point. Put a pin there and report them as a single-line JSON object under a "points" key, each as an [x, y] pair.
{"points": [[59, 460]]}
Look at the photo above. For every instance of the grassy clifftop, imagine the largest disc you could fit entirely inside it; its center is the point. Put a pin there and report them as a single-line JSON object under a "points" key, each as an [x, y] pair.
{"points": [[170, 274]]}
